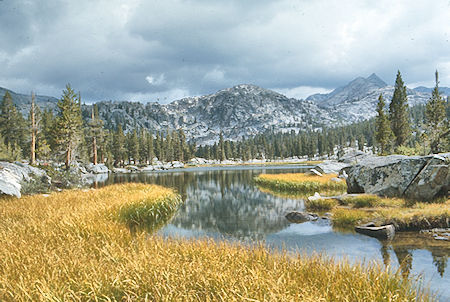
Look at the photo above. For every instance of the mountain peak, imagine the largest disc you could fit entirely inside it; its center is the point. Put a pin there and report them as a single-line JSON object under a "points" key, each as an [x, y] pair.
{"points": [[373, 78]]}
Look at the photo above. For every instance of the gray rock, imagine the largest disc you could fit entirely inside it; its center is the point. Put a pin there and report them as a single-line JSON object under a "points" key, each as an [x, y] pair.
{"points": [[330, 167], [315, 172], [415, 177], [9, 183], [97, 169], [316, 196], [13, 174], [300, 217], [354, 156]]}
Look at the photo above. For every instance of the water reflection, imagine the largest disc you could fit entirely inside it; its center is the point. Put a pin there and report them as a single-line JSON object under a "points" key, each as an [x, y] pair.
{"points": [[226, 204]]}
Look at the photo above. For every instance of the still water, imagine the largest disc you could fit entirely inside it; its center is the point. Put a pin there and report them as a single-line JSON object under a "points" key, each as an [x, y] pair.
{"points": [[225, 204]]}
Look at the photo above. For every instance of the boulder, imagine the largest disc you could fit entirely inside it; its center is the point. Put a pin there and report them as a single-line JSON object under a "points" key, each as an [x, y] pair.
{"points": [[416, 177], [315, 172], [148, 168], [354, 156], [97, 169], [13, 174], [316, 196], [330, 167], [9, 183], [300, 217], [177, 164]]}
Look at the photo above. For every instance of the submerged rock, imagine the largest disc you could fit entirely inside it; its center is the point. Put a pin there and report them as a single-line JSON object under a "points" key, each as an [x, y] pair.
{"points": [[382, 232], [300, 217]]}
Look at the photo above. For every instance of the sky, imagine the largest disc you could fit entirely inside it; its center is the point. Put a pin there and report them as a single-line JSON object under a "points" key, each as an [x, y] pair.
{"points": [[161, 51]]}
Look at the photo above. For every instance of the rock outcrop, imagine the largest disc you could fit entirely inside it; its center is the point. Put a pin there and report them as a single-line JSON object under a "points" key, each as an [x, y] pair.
{"points": [[415, 177], [97, 169], [12, 175], [330, 167]]}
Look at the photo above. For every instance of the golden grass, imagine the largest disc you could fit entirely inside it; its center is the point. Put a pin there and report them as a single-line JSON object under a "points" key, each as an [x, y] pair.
{"points": [[300, 182], [405, 216], [320, 204], [71, 246]]}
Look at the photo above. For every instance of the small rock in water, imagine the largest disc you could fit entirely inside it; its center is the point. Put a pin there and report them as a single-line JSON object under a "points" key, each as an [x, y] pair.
{"points": [[300, 217], [441, 238]]}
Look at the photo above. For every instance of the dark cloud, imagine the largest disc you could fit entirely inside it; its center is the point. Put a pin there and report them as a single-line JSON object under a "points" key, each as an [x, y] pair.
{"points": [[149, 50]]}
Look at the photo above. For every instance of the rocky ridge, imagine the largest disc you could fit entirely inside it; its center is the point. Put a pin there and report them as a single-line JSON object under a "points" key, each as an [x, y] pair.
{"points": [[245, 110]]}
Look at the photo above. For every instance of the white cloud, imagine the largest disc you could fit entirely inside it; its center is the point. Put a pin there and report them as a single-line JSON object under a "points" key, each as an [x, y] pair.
{"points": [[106, 49], [215, 75], [156, 81], [301, 92]]}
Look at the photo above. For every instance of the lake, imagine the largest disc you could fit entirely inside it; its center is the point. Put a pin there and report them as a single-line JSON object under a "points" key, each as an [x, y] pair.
{"points": [[224, 203]]}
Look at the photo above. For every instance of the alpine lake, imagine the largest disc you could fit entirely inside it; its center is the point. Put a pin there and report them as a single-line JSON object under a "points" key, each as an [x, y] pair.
{"points": [[224, 203]]}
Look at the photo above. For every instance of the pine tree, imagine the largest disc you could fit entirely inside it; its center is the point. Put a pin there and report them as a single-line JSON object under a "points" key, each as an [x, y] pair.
{"points": [[398, 113], [133, 146], [33, 130], [383, 132], [437, 128], [12, 125], [95, 127], [69, 123], [150, 149], [46, 139], [119, 150], [221, 148]]}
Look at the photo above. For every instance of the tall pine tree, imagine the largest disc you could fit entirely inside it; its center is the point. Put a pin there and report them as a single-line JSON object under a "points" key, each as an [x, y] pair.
{"points": [[12, 125], [437, 127], [398, 113], [69, 123], [383, 132]]}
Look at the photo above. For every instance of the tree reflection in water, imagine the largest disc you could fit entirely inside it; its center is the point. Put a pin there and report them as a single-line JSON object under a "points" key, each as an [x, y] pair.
{"points": [[405, 243]]}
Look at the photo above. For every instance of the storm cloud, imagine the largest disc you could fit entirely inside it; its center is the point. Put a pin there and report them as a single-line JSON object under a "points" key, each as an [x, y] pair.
{"points": [[164, 50]]}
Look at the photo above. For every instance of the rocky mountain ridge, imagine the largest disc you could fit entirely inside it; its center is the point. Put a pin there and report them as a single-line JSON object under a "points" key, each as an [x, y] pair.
{"points": [[246, 110]]}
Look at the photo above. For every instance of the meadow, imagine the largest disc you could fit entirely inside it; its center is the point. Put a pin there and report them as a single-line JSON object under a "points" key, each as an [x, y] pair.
{"points": [[301, 183], [93, 245], [348, 211]]}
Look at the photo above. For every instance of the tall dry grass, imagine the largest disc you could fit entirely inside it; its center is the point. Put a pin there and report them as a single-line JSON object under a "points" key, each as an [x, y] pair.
{"points": [[301, 183], [400, 212], [71, 246]]}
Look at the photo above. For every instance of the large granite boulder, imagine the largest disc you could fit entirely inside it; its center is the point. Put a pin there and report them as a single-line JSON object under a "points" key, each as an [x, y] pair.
{"points": [[13, 174], [416, 177], [97, 169], [330, 167]]}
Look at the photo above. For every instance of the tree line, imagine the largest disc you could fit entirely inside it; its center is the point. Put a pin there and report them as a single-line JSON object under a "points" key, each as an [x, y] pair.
{"points": [[426, 129], [74, 133]]}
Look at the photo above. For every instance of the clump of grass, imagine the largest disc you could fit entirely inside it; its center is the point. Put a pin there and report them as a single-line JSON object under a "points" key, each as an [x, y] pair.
{"points": [[321, 204], [348, 218], [361, 201], [70, 246], [396, 211], [300, 182], [149, 214]]}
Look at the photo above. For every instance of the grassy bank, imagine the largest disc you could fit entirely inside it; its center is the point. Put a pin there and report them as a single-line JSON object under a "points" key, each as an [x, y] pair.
{"points": [[292, 183], [405, 215], [76, 245]]}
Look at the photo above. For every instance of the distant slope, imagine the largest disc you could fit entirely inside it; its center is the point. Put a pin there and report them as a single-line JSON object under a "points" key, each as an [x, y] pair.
{"points": [[239, 111], [23, 101], [357, 100], [245, 110]]}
